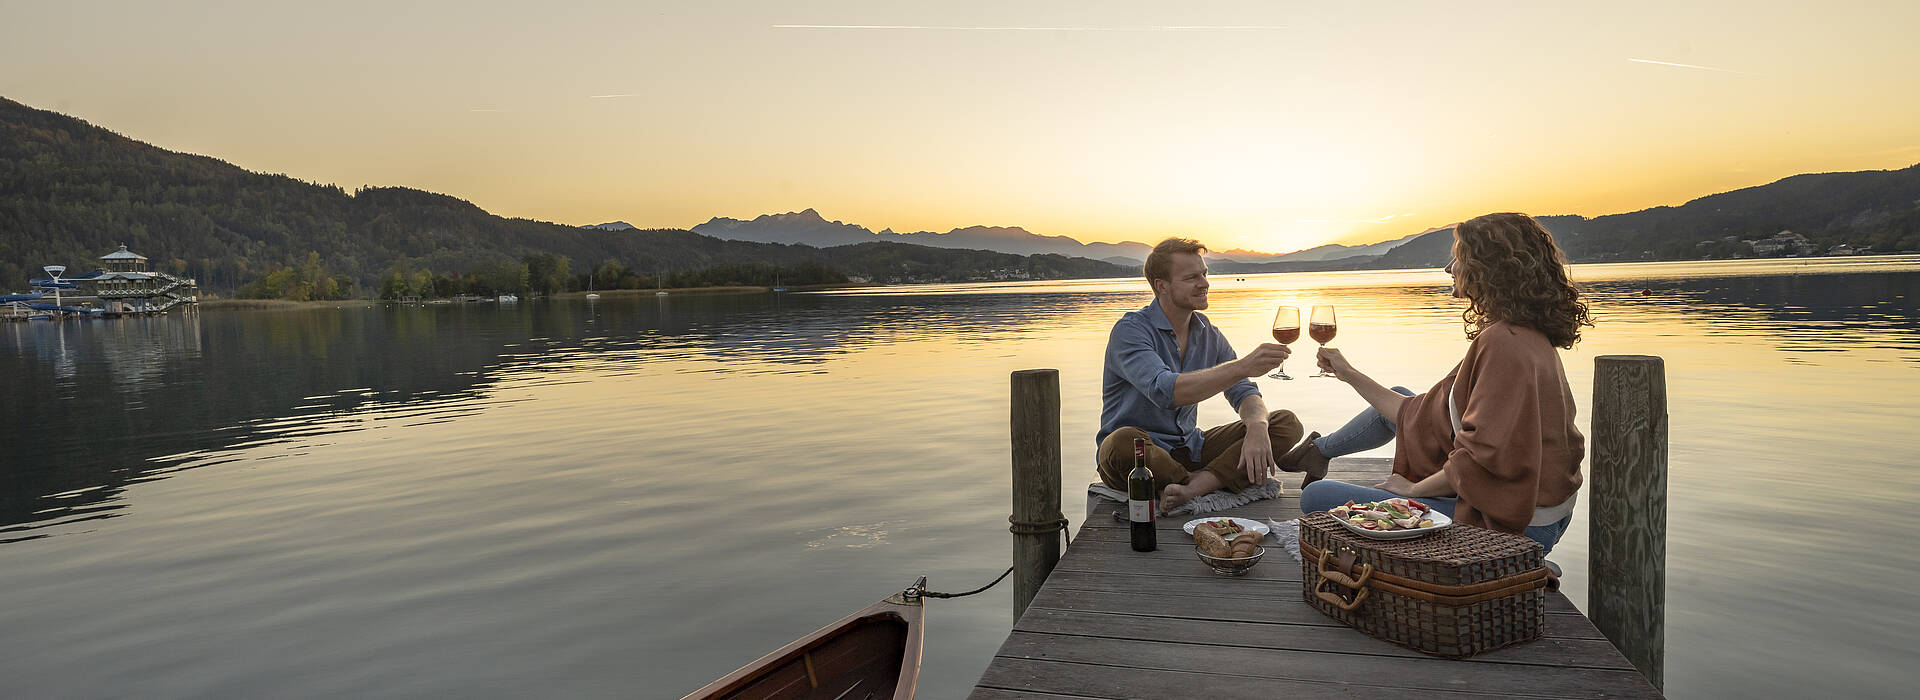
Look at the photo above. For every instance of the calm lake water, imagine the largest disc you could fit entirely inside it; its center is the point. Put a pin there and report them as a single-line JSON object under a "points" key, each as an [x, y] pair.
{"points": [[636, 495]]}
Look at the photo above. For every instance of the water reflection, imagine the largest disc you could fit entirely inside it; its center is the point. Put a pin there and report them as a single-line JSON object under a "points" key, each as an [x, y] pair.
{"points": [[94, 406], [377, 488], [1801, 313]]}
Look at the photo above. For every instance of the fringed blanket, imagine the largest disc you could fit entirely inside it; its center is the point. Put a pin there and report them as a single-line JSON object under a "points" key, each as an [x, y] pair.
{"points": [[1209, 503]]}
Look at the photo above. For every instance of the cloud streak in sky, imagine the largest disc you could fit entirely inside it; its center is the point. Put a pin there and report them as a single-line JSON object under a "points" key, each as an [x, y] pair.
{"points": [[1689, 65], [1194, 28]]}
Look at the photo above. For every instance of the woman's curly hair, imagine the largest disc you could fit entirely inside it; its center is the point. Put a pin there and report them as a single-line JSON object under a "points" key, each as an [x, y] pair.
{"points": [[1510, 270]]}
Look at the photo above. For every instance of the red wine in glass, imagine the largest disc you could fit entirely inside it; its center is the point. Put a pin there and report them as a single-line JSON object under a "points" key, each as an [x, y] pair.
{"points": [[1286, 329], [1321, 327]]}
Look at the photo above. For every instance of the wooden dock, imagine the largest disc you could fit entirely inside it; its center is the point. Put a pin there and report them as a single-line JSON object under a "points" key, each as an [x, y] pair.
{"points": [[1110, 622]]}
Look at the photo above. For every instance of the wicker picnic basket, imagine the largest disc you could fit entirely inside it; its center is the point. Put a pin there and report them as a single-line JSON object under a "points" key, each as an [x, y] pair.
{"points": [[1454, 593]]}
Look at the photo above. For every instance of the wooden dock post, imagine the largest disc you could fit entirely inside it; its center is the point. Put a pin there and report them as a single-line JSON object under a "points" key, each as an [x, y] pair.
{"points": [[1036, 482], [1627, 518]]}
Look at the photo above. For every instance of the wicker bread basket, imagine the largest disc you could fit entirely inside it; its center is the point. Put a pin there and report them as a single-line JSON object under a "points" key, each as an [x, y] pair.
{"points": [[1454, 593]]}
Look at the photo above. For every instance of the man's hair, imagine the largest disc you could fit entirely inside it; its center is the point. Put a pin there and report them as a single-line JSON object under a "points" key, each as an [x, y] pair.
{"points": [[1160, 261]]}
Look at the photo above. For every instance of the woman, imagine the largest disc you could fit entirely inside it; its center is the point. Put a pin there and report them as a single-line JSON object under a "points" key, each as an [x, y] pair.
{"points": [[1493, 444]]}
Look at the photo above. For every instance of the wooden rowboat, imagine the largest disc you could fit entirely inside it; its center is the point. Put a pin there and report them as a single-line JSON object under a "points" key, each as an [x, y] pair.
{"points": [[873, 654]]}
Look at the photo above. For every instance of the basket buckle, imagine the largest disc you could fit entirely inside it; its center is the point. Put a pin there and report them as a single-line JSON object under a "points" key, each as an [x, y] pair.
{"points": [[1356, 589]]}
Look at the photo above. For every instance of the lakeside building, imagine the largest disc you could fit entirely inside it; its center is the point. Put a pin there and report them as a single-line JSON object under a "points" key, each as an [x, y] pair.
{"points": [[1783, 243], [123, 285]]}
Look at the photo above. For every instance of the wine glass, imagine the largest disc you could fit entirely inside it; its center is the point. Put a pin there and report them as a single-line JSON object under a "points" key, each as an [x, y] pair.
{"points": [[1321, 326], [1286, 329]]}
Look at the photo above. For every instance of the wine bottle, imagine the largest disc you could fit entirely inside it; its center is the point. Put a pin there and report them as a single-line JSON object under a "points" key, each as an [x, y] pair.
{"points": [[1140, 500]]}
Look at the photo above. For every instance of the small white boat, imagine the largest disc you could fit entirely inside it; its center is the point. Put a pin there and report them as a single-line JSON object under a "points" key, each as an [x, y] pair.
{"points": [[508, 298], [592, 296]]}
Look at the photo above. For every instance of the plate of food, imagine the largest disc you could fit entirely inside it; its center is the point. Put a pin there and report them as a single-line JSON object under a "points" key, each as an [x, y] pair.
{"points": [[1228, 527], [1391, 519]]}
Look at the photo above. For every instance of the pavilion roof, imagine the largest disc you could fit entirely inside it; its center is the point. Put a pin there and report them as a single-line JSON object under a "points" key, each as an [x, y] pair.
{"points": [[123, 254]]}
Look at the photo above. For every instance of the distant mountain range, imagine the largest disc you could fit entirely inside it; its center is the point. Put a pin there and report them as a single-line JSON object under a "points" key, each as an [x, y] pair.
{"points": [[1333, 251], [808, 227], [1874, 210]]}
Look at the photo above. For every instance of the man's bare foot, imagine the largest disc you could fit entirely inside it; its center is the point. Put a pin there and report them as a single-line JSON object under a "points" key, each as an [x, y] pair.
{"points": [[1173, 496], [1198, 484]]}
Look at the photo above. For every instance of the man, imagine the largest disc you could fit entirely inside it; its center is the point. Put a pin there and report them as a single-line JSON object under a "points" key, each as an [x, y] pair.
{"points": [[1161, 362]]}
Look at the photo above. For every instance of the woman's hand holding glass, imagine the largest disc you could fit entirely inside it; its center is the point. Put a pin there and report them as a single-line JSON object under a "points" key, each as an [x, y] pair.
{"points": [[1332, 363]]}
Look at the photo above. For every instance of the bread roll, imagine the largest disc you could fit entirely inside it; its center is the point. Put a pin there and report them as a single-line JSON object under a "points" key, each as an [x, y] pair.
{"points": [[1211, 544]]}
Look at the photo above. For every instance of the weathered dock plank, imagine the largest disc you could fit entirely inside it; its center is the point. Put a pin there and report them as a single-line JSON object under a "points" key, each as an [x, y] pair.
{"points": [[1113, 623], [1326, 667]]}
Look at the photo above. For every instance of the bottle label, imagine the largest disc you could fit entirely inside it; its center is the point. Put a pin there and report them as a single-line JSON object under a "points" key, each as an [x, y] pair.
{"points": [[1140, 511]]}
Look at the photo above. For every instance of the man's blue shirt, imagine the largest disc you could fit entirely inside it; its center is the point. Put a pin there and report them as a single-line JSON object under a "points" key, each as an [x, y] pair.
{"points": [[1136, 389]]}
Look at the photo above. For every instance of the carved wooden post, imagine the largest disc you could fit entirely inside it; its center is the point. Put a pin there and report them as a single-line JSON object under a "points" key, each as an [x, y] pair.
{"points": [[1036, 482], [1627, 518]]}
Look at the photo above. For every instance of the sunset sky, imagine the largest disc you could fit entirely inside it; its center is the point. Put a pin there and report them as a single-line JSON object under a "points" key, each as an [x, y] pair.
{"points": [[1266, 125]]}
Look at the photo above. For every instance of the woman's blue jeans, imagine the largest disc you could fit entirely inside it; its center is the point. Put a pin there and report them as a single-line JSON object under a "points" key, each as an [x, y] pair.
{"points": [[1327, 493], [1365, 432]]}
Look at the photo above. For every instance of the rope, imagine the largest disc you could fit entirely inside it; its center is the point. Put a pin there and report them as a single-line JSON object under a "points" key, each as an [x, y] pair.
{"points": [[1019, 528], [937, 594]]}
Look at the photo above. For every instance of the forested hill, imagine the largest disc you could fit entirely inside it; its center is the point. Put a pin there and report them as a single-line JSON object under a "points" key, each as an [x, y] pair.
{"points": [[1873, 210], [1876, 209], [71, 192]]}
